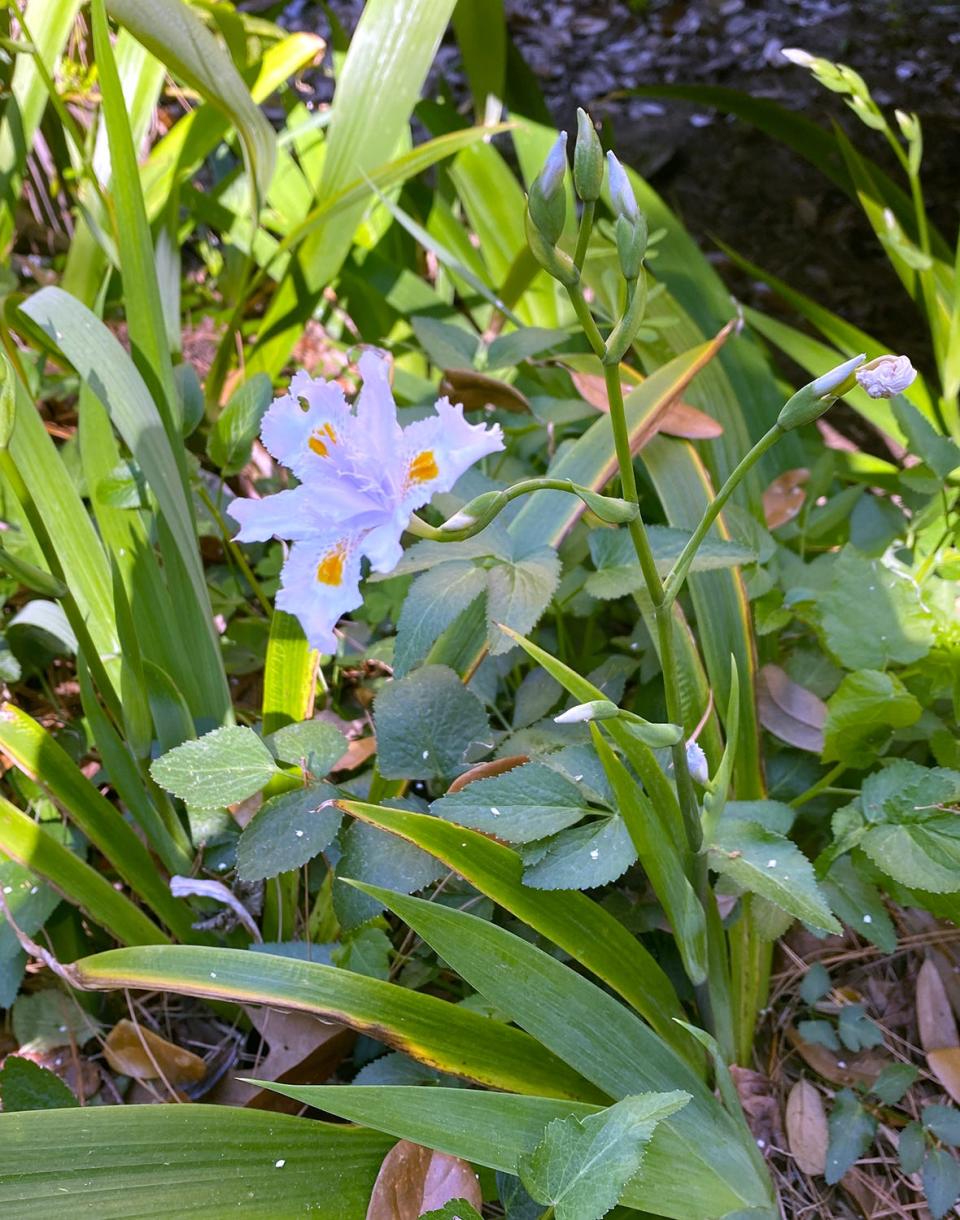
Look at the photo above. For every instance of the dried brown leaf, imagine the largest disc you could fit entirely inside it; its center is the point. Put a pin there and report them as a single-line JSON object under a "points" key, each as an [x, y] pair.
{"points": [[790, 711], [496, 766], [690, 423], [945, 1065], [807, 1132], [477, 391], [356, 755], [862, 1068], [935, 1018], [413, 1180], [756, 1094], [784, 498], [139, 1052]]}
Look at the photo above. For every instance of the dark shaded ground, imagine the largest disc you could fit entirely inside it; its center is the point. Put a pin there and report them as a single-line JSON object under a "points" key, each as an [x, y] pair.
{"points": [[721, 176]]}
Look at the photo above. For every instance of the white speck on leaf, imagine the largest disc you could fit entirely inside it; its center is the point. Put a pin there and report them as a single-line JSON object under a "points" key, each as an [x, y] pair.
{"points": [[213, 974], [495, 811], [771, 864], [868, 919], [299, 834], [595, 855], [280, 1164]]}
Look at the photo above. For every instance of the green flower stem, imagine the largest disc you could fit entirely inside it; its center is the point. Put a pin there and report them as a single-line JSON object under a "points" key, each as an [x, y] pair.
{"points": [[235, 552], [11, 473], [435, 533], [583, 235], [678, 572], [821, 785]]}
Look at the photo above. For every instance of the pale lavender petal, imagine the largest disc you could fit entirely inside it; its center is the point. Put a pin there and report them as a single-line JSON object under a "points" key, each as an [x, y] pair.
{"points": [[268, 518], [319, 585], [382, 544], [376, 432], [437, 450], [305, 512], [307, 438]]}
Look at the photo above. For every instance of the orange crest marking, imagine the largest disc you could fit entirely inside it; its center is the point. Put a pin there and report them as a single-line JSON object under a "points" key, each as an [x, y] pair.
{"points": [[330, 567], [423, 467], [318, 444]]}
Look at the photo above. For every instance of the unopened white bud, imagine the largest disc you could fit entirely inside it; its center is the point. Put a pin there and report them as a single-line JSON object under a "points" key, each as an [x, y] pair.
{"points": [[886, 376], [621, 192], [596, 709], [459, 521], [803, 59], [697, 764]]}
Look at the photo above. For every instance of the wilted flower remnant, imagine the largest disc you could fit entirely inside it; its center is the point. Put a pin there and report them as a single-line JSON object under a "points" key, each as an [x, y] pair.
{"points": [[886, 376], [361, 476]]}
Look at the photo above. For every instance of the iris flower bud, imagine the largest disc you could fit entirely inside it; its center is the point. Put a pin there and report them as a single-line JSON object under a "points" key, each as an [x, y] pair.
{"points": [[587, 160], [816, 398], [547, 202], [886, 376], [621, 192], [8, 401], [631, 244], [596, 709]]}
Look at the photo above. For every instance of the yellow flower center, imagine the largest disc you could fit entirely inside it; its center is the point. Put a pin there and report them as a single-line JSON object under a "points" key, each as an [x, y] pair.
{"points": [[423, 467], [318, 444], [330, 567]]}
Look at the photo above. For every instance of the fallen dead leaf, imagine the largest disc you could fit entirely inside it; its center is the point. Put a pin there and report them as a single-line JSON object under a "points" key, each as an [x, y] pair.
{"points": [[413, 1180], [496, 766], [807, 1132], [476, 391], [938, 1028], [759, 1105], [139, 1052], [784, 498], [862, 1068], [789, 710], [303, 1050], [945, 1065], [356, 755]]}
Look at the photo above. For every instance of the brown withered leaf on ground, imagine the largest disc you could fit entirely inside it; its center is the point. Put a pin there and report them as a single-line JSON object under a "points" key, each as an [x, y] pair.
{"points": [[935, 1020], [863, 1068], [357, 753], [476, 391], [784, 498], [496, 766], [789, 710], [807, 1132], [413, 1180], [945, 1065], [755, 1091], [127, 1055], [303, 1050]]}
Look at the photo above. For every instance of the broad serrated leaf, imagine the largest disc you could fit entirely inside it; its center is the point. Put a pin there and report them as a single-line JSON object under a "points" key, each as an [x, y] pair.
{"points": [[525, 804], [518, 593], [815, 983], [765, 863], [426, 723], [858, 902], [924, 856], [231, 438], [220, 768], [618, 573], [893, 1082], [911, 1148], [287, 831], [448, 346], [25, 1085], [944, 1122], [581, 1166], [938, 452], [906, 792], [851, 1132], [433, 601], [536, 695], [379, 858], [941, 1181], [453, 1209], [509, 350], [313, 744], [592, 854], [857, 1032], [863, 713], [820, 1033], [871, 616]]}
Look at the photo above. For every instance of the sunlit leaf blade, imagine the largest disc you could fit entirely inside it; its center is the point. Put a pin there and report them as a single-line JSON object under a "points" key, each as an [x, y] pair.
{"points": [[377, 87], [434, 1031], [177, 37], [35, 751], [563, 1011], [139, 1162], [22, 839], [289, 674], [570, 919]]}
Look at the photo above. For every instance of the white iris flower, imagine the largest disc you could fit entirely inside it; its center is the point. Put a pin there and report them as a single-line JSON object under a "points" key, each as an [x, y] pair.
{"points": [[361, 476]]}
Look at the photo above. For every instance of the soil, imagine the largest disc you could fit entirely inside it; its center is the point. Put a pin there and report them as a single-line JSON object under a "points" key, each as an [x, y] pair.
{"points": [[722, 177]]}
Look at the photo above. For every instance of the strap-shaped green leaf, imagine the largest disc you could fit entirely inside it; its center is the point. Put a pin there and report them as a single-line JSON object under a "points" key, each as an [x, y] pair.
{"points": [[434, 1031]]}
